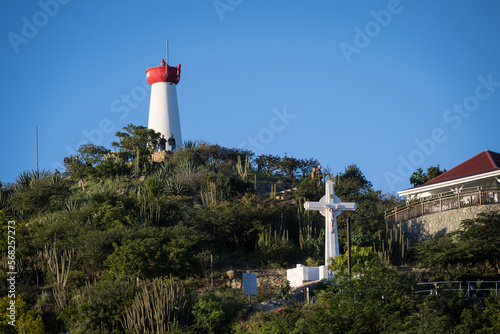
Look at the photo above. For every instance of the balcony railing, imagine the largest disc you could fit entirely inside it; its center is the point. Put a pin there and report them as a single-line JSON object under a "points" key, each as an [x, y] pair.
{"points": [[479, 289], [443, 202]]}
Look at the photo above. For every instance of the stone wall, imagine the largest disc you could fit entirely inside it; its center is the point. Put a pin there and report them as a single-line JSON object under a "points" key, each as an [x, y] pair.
{"points": [[265, 278], [441, 223]]}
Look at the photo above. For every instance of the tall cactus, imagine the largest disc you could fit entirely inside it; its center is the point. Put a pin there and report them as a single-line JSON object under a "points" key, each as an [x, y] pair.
{"points": [[243, 170], [149, 207], [272, 194], [210, 195], [307, 228], [59, 265], [392, 248], [159, 307], [276, 230]]}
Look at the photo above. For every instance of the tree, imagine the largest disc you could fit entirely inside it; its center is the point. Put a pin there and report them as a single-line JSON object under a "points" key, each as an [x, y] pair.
{"points": [[143, 258], [153, 252], [137, 142], [480, 240], [306, 166], [375, 301], [473, 250], [231, 227], [419, 177], [236, 225], [40, 195], [98, 307], [441, 254], [361, 259], [268, 164], [93, 154], [108, 169], [286, 166], [352, 182], [434, 171], [310, 189], [106, 210], [208, 152], [352, 186], [208, 313], [289, 166], [75, 167]]}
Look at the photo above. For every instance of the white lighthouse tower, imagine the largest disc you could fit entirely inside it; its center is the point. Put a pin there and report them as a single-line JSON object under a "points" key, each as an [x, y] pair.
{"points": [[163, 107]]}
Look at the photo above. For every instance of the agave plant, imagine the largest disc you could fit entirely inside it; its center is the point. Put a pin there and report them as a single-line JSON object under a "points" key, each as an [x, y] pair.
{"points": [[27, 179], [189, 144], [186, 168], [47, 219], [74, 166], [72, 205], [214, 166], [173, 186], [54, 179], [164, 171], [39, 174], [106, 190], [23, 181], [125, 178]]}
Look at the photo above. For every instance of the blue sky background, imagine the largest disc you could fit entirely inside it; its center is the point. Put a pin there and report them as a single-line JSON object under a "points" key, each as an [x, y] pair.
{"points": [[76, 69]]}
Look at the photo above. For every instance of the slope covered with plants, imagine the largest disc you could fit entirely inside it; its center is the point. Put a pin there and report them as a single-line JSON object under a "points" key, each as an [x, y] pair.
{"points": [[120, 243]]}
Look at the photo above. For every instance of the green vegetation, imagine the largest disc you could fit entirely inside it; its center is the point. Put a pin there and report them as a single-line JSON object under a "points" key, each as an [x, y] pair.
{"points": [[124, 244], [419, 177], [376, 299], [471, 252]]}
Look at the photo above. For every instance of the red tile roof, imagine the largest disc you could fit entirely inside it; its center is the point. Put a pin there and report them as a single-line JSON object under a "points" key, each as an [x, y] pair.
{"points": [[486, 161]]}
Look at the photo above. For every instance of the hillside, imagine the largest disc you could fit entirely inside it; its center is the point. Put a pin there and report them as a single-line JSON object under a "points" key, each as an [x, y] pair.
{"points": [[120, 234]]}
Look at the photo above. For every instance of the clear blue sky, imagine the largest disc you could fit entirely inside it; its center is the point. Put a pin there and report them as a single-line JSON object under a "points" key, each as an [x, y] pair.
{"points": [[379, 84]]}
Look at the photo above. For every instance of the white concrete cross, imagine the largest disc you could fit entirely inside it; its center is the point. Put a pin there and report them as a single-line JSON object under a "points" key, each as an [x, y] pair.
{"points": [[330, 206]]}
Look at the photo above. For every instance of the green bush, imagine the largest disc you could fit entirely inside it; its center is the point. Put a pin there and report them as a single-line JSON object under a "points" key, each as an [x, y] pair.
{"points": [[310, 189]]}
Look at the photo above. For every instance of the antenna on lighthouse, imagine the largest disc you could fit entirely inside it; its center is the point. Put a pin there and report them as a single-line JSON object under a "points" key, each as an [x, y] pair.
{"points": [[167, 46], [37, 149]]}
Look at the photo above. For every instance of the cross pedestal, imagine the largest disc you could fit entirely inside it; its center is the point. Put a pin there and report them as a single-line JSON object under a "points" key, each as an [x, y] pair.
{"points": [[330, 206]]}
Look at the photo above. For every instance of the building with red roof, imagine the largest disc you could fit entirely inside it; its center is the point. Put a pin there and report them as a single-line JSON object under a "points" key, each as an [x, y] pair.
{"points": [[441, 204], [482, 170]]}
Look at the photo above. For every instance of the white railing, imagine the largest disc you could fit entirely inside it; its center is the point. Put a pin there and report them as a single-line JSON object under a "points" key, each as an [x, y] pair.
{"points": [[443, 202], [479, 289]]}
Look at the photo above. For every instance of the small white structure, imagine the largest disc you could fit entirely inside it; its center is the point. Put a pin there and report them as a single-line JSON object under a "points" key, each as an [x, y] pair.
{"points": [[330, 206], [163, 108], [302, 274]]}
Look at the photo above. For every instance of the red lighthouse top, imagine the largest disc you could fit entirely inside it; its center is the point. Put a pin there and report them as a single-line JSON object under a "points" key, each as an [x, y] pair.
{"points": [[164, 73]]}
